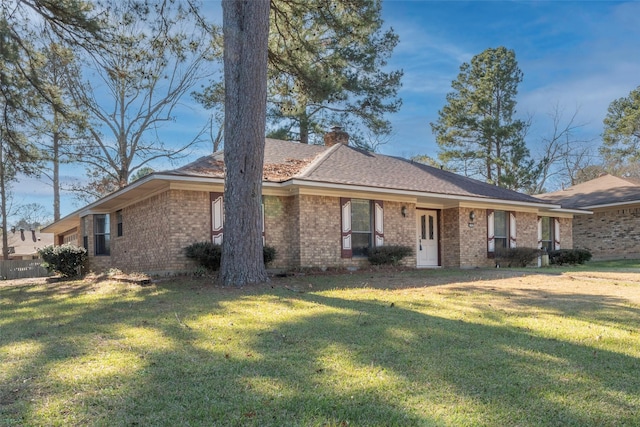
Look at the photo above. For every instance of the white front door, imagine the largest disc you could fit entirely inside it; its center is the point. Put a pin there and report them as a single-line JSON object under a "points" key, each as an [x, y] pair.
{"points": [[427, 242]]}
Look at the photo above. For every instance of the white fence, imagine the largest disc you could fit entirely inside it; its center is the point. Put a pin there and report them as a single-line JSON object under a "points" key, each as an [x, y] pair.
{"points": [[22, 269]]}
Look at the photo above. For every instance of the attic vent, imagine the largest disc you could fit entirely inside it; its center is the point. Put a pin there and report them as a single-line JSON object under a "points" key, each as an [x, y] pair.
{"points": [[336, 136]]}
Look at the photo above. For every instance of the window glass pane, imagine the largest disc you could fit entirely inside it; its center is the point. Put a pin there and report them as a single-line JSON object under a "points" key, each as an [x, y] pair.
{"points": [[500, 224], [501, 242], [101, 234], [423, 227], [546, 231], [119, 222], [360, 215], [103, 244], [100, 223], [360, 243]]}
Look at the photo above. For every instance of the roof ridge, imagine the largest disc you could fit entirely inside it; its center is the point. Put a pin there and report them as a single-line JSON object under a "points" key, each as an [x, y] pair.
{"points": [[315, 163]]}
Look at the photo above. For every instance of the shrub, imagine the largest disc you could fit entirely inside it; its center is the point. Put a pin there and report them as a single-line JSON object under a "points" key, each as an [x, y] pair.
{"points": [[206, 254], [64, 259], [269, 254], [388, 254], [517, 257], [569, 256], [209, 255]]}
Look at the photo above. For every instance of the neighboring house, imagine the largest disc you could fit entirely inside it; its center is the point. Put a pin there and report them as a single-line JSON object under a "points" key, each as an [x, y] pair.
{"points": [[613, 231], [24, 244], [323, 206]]}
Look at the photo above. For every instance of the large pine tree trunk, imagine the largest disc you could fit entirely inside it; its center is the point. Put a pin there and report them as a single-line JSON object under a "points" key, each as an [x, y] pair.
{"points": [[246, 30]]}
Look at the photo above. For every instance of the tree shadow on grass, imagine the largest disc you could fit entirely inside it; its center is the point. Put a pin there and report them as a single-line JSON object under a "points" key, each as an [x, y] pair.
{"points": [[360, 363], [605, 310]]}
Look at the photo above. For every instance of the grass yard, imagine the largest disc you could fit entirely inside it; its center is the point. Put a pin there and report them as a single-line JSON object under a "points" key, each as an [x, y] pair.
{"points": [[553, 347]]}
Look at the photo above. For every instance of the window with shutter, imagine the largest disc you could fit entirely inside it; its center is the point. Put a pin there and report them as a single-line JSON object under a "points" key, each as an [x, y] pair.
{"points": [[362, 226], [546, 233], [217, 218], [501, 231]]}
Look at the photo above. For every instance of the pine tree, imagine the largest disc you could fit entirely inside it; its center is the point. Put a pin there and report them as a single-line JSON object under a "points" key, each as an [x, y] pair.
{"points": [[476, 131], [327, 63], [621, 137]]}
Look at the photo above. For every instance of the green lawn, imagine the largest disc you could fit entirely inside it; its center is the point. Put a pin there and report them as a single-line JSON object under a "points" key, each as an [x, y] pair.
{"points": [[387, 348]]}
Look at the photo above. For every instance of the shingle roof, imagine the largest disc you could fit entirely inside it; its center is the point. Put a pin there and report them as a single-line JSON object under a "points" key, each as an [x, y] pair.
{"points": [[604, 190], [282, 160], [342, 164], [27, 242]]}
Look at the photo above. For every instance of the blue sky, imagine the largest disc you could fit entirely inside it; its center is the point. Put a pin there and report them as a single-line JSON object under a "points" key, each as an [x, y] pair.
{"points": [[579, 56]]}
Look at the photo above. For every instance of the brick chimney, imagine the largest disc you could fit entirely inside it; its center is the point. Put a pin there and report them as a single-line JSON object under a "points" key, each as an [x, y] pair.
{"points": [[336, 136]]}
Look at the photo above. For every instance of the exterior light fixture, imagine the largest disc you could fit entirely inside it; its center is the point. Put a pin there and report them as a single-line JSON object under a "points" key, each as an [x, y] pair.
{"points": [[472, 216], [403, 211]]}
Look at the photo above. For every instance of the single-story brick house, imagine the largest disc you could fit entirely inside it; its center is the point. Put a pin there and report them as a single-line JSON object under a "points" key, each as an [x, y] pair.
{"points": [[323, 206], [613, 231]]}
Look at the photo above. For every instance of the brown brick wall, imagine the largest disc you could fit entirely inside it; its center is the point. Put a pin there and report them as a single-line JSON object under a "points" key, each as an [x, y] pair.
{"points": [[156, 231], [466, 247], [473, 240], [449, 238], [610, 234], [400, 230], [319, 231], [280, 221], [527, 230], [304, 229], [566, 233]]}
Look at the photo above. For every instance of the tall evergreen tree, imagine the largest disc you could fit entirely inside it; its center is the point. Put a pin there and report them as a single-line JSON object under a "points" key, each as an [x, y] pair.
{"points": [[17, 153], [476, 131], [327, 63], [326, 66], [62, 133], [621, 137], [22, 92], [73, 22]]}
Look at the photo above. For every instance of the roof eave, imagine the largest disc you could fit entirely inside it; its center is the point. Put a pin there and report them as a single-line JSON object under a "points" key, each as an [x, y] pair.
{"points": [[612, 205], [572, 211]]}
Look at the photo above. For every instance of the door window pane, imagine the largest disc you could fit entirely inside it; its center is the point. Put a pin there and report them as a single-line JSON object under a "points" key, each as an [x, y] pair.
{"points": [[430, 227]]}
